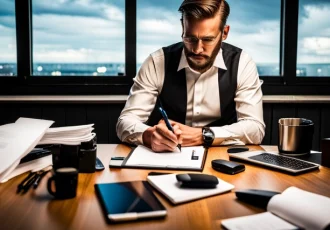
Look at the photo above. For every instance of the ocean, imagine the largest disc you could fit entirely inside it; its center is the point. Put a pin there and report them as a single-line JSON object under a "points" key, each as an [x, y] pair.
{"points": [[118, 69]]}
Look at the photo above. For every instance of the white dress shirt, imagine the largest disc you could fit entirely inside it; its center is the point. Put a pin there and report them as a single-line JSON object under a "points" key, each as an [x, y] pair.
{"points": [[203, 100]]}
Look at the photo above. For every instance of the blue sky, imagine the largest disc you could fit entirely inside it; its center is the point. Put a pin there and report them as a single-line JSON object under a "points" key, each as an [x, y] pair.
{"points": [[91, 31]]}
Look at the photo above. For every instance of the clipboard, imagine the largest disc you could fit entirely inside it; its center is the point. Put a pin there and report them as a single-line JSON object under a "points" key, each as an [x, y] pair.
{"points": [[189, 159]]}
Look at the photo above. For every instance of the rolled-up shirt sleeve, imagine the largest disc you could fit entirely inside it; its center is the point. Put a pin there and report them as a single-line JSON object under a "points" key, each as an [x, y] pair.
{"points": [[141, 101], [250, 126]]}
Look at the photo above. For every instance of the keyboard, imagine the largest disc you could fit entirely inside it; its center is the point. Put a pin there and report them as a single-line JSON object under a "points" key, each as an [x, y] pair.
{"points": [[277, 161]]}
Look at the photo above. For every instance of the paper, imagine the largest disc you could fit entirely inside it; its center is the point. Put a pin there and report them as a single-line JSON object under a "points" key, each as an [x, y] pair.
{"points": [[262, 221], [33, 165], [305, 209], [18, 139], [170, 187], [69, 135], [143, 156]]}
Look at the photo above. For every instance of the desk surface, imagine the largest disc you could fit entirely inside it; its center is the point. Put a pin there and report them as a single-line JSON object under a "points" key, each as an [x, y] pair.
{"points": [[37, 209]]}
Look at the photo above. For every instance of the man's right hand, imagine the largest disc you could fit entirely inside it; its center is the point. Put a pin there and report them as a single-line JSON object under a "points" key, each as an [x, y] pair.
{"points": [[160, 139]]}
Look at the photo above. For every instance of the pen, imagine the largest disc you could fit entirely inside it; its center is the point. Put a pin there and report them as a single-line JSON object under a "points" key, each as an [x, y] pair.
{"points": [[169, 126], [22, 184], [39, 177]]}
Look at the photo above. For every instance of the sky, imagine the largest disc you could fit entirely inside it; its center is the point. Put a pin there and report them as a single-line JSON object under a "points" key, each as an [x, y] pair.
{"points": [[93, 31]]}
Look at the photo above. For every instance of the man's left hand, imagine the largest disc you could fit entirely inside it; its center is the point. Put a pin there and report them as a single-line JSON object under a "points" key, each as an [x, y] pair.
{"points": [[190, 136]]}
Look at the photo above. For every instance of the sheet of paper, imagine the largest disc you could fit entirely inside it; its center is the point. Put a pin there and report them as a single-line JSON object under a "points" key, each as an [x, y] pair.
{"points": [[69, 135], [36, 164], [262, 221], [305, 209], [18, 139], [170, 187], [145, 156]]}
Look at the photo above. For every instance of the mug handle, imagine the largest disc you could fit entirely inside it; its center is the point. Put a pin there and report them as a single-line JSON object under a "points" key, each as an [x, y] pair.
{"points": [[49, 185]]}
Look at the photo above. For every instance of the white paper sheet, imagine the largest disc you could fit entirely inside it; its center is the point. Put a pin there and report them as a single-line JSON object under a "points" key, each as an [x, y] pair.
{"points": [[18, 139], [262, 221], [305, 209], [170, 187], [143, 156]]}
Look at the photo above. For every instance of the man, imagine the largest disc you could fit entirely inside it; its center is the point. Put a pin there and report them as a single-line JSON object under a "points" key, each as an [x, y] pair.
{"points": [[200, 82]]}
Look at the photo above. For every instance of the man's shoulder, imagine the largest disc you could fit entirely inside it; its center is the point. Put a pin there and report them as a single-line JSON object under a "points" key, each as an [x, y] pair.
{"points": [[228, 47], [160, 53]]}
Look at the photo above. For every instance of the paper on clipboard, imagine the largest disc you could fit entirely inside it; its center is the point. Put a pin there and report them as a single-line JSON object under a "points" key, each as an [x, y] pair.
{"points": [[189, 157]]}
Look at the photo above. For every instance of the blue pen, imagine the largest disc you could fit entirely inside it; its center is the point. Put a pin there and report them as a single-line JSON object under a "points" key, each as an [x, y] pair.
{"points": [[169, 126]]}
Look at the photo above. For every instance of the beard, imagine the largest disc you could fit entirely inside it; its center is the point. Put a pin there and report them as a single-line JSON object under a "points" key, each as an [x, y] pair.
{"points": [[202, 66]]}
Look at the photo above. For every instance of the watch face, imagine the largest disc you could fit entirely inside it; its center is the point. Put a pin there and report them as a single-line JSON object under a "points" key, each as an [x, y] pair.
{"points": [[208, 136]]}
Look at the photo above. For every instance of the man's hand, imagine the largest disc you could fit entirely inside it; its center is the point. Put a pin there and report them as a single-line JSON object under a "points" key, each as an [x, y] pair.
{"points": [[190, 136], [160, 139]]}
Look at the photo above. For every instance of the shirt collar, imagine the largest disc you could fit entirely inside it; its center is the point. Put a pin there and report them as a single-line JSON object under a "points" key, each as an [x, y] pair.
{"points": [[218, 62]]}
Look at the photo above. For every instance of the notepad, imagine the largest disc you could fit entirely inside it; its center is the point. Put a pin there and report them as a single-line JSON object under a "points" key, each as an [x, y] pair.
{"points": [[170, 187], [292, 209], [190, 158]]}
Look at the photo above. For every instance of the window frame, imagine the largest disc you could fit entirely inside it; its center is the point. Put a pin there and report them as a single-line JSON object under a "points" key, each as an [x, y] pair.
{"points": [[287, 83]]}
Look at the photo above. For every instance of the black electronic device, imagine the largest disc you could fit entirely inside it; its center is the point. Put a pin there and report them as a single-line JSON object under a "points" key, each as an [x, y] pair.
{"points": [[237, 149], [127, 201], [194, 180], [228, 167], [98, 165], [259, 198]]}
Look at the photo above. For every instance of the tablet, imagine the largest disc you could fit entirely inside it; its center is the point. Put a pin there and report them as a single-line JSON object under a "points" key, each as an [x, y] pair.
{"points": [[128, 201]]}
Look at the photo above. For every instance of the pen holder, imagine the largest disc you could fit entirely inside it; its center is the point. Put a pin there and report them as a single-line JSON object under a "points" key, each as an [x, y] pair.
{"points": [[82, 157]]}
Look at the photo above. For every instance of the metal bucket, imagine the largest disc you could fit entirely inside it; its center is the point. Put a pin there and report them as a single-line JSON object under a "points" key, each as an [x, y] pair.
{"points": [[295, 136]]}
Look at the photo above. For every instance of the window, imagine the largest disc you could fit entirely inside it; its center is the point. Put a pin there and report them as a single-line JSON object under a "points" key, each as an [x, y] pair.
{"points": [[84, 38], [94, 47], [7, 38], [313, 58], [158, 25], [255, 27]]}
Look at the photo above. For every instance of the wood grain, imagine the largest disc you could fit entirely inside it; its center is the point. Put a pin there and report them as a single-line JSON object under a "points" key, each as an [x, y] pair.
{"points": [[38, 210]]}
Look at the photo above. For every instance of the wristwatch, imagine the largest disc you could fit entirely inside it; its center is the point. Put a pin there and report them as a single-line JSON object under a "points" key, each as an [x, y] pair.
{"points": [[208, 136]]}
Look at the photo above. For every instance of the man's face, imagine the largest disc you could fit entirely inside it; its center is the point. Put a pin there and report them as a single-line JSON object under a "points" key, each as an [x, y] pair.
{"points": [[202, 53]]}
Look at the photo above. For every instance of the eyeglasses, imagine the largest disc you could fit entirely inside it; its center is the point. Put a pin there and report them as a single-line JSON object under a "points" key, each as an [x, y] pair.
{"points": [[207, 41]]}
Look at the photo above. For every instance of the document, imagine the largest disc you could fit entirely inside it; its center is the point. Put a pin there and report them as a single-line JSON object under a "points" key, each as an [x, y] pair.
{"points": [[18, 139], [170, 187], [69, 135], [190, 158], [294, 206]]}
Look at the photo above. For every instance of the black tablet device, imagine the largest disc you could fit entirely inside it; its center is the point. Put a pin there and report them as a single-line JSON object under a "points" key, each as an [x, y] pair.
{"points": [[129, 201]]}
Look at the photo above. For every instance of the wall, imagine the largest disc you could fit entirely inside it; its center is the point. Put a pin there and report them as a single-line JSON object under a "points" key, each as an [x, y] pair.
{"points": [[104, 116]]}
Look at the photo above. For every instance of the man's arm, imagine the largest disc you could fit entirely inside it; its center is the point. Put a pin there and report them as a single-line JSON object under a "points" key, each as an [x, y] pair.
{"points": [[250, 127], [131, 125]]}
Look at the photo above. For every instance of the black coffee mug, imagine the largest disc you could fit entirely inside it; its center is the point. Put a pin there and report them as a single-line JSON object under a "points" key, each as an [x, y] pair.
{"points": [[66, 180]]}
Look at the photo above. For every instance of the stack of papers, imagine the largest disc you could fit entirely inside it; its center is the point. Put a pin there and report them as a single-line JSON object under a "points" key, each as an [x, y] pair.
{"points": [[17, 140], [70, 135]]}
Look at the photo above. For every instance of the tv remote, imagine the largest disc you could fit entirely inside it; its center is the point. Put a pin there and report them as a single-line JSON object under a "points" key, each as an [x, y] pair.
{"points": [[98, 165]]}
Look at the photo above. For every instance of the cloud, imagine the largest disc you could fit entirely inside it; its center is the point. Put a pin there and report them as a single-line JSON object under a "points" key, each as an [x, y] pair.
{"points": [[82, 55]]}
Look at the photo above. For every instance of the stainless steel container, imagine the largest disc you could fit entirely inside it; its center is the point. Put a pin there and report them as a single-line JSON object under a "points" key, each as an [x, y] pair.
{"points": [[295, 136]]}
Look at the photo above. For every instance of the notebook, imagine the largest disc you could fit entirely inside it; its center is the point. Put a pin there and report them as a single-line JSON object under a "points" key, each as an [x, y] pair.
{"points": [[190, 158], [169, 186], [293, 209]]}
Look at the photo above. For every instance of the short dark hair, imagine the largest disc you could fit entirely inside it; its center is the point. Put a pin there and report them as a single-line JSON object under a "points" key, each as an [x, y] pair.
{"points": [[202, 9]]}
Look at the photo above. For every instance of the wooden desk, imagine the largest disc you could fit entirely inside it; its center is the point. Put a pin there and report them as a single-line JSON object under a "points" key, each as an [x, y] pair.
{"points": [[37, 209]]}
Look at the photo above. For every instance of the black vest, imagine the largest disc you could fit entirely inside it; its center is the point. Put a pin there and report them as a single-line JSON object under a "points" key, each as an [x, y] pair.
{"points": [[173, 96]]}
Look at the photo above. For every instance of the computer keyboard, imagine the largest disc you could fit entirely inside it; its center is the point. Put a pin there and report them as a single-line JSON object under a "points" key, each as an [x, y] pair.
{"points": [[274, 160], [282, 161]]}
